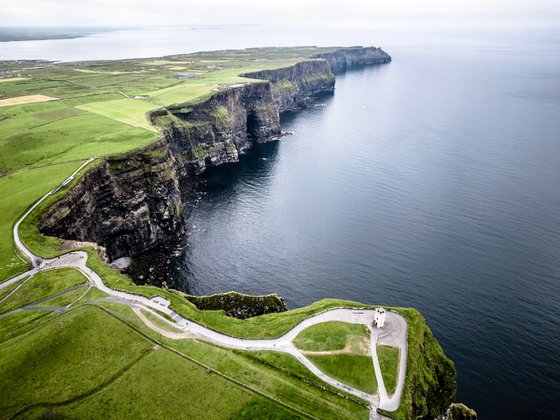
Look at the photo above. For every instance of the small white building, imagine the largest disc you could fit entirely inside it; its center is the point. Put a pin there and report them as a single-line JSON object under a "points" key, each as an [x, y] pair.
{"points": [[379, 317]]}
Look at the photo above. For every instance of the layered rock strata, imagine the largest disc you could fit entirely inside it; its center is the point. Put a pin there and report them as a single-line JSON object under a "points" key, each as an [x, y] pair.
{"points": [[133, 203]]}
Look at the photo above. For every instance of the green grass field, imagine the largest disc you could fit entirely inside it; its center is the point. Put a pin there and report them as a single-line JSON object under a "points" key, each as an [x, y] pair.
{"points": [[7, 290], [277, 375], [66, 298], [41, 286], [21, 322], [139, 373], [331, 336], [162, 385], [129, 111], [354, 370], [389, 362], [64, 358], [18, 192]]}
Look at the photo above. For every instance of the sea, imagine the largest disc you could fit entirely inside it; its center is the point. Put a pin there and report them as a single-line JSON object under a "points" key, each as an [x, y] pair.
{"points": [[431, 182]]}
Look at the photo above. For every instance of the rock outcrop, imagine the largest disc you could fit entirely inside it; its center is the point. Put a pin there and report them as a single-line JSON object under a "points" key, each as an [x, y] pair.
{"points": [[133, 203], [458, 411], [238, 305]]}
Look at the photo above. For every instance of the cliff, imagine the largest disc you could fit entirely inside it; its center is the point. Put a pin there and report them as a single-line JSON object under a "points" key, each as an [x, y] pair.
{"points": [[430, 386], [294, 86], [131, 204], [128, 204], [346, 58], [216, 130]]}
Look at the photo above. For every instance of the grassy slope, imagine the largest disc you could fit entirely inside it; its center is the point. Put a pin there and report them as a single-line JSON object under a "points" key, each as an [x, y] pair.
{"points": [[72, 366], [354, 370], [389, 362], [285, 379], [65, 357], [66, 298], [7, 290], [329, 336], [160, 385], [18, 192], [21, 322], [43, 285]]}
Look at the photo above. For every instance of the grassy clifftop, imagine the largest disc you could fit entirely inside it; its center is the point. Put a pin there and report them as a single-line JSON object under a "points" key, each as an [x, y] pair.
{"points": [[430, 385]]}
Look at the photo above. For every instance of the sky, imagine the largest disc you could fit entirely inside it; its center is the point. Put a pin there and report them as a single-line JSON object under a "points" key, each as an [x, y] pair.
{"points": [[134, 13]]}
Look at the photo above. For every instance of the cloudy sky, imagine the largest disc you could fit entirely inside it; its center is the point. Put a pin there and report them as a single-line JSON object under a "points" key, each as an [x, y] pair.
{"points": [[127, 13]]}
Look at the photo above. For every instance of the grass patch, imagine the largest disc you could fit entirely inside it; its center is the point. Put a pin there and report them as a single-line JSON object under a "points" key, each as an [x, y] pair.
{"points": [[21, 322], [78, 137], [67, 298], [13, 79], [389, 361], [354, 370], [330, 336], [18, 192], [7, 290], [66, 357], [42, 285], [27, 99], [259, 408], [317, 399], [129, 111], [158, 322], [163, 385]]}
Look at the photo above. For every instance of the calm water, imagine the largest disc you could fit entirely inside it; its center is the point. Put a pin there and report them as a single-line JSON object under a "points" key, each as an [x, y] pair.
{"points": [[431, 182]]}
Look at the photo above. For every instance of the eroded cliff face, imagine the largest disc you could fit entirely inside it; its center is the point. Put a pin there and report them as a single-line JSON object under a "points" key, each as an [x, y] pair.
{"points": [[346, 58], [127, 204], [133, 203], [294, 86], [215, 131]]}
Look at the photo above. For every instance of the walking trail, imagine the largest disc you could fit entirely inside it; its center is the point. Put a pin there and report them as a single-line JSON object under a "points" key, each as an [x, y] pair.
{"points": [[393, 333]]}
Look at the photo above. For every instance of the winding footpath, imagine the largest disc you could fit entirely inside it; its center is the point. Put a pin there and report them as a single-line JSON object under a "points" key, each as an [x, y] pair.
{"points": [[394, 332]]}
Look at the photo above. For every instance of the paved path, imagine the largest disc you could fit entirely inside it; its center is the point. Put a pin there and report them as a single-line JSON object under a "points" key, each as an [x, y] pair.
{"points": [[394, 333]]}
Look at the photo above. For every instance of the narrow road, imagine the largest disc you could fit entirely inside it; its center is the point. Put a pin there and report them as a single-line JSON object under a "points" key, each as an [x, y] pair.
{"points": [[394, 333]]}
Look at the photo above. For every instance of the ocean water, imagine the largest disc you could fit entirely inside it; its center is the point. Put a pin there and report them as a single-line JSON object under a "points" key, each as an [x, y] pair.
{"points": [[431, 182]]}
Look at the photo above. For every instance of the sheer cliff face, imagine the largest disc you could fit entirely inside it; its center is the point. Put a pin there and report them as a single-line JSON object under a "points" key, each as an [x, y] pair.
{"points": [[128, 205], [216, 131], [133, 204], [345, 58], [293, 86]]}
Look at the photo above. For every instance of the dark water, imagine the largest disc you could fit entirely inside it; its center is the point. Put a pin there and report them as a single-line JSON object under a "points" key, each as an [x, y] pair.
{"points": [[431, 182]]}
